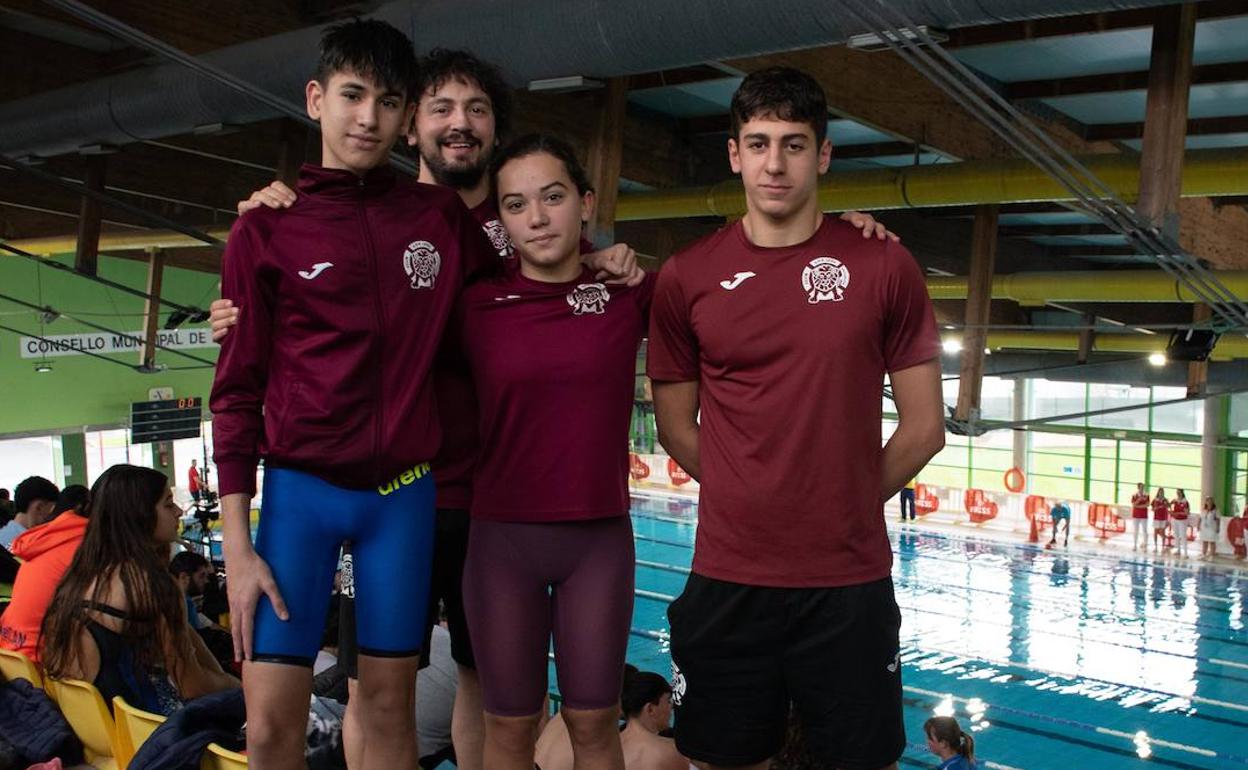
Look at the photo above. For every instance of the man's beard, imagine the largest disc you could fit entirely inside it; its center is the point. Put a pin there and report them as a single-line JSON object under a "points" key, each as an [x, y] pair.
{"points": [[459, 177]]}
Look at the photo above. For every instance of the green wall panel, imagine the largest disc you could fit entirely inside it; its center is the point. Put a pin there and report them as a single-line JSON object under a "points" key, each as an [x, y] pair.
{"points": [[82, 391]]}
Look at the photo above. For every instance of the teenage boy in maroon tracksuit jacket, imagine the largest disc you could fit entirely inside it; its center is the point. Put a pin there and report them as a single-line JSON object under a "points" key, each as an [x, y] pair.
{"points": [[327, 378]]}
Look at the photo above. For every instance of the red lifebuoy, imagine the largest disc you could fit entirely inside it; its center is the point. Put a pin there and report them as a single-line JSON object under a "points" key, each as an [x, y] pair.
{"points": [[1015, 481]]}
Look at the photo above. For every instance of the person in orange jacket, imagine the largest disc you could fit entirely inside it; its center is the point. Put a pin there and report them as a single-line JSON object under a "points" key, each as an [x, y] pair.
{"points": [[46, 551]]}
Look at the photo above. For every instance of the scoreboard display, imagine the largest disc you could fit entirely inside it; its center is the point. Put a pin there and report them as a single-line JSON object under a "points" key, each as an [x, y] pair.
{"points": [[167, 420]]}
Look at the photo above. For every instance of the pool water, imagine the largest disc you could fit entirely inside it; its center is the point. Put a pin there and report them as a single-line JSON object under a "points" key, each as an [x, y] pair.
{"points": [[1054, 660], [1057, 660]]}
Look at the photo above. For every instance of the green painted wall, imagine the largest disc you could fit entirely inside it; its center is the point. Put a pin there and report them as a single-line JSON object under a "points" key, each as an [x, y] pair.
{"points": [[74, 458], [82, 391]]}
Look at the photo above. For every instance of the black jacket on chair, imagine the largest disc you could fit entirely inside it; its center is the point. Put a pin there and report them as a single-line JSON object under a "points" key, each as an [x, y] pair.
{"points": [[179, 743], [32, 724]]}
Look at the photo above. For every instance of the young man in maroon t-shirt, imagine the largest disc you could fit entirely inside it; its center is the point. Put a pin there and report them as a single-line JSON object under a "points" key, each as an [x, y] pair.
{"points": [[779, 329]]}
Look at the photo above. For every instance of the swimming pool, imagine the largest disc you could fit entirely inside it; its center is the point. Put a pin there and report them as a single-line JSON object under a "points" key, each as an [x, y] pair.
{"points": [[1076, 660]]}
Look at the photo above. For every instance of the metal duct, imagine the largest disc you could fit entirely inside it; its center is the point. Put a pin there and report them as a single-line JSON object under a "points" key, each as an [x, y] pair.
{"points": [[1230, 346], [528, 40], [1037, 289], [1206, 173], [1028, 289]]}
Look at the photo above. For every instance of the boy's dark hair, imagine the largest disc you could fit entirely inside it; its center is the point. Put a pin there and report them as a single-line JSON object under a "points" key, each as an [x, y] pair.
{"points": [[32, 489], [71, 497], [641, 688], [442, 64], [186, 562], [371, 49], [784, 93], [531, 144]]}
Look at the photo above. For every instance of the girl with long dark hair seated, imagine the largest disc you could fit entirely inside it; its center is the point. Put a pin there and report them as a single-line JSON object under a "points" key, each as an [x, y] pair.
{"points": [[118, 619]]}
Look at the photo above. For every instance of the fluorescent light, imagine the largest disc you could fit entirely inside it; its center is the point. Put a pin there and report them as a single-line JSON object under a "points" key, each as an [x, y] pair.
{"points": [[1157, 359], [215, 129], [871, 41], [43, 367], [102, 148], [952, 345], [565, 84]]}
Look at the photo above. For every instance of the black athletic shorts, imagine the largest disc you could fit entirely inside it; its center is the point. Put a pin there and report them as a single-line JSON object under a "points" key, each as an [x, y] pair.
{"points": [[742, 654], [450, 548]]}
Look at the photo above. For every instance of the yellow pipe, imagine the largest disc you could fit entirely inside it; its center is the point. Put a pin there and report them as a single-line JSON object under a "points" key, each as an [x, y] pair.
{"points": [[1035, 289], [1206, 173], [116, 241], [1230, 346]]}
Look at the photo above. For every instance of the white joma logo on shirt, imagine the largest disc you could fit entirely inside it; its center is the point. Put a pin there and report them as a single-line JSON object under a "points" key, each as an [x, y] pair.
{"points": [[737, 280], [316, 270]]}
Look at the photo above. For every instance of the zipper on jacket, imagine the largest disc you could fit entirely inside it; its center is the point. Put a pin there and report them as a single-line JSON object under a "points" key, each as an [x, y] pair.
{"points": [[380, 341]]}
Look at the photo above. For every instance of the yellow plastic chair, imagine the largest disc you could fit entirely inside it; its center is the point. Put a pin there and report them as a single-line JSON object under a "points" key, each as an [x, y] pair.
{"points": [[88, 715], [134, 726], [15, 665], [217, 757]]}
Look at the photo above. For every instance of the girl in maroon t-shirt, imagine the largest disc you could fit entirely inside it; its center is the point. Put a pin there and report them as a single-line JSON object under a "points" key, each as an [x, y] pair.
{"points": [[1179, 511], [1161, 515], [552, 353]]}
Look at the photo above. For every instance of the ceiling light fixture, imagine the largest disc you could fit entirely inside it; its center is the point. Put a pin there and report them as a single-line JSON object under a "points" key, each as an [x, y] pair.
{"points": [[565, 85], [871, 42]]}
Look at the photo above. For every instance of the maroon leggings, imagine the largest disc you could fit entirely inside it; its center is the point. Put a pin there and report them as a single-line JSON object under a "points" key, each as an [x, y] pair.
{"points": [[524, 582]]}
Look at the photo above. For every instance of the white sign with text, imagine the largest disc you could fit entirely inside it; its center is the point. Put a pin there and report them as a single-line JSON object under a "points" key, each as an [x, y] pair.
{"points": [[103, 343]]}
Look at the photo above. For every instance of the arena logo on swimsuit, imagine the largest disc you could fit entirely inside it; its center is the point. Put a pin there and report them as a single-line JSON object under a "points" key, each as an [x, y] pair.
{"points": [[404, 478]]}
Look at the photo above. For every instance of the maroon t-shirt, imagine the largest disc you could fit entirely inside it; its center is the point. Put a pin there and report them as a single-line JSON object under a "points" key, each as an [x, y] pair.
{"points": [[457, 402], [1180, 510], [554, 369], [1139, 506], [790, 346]]}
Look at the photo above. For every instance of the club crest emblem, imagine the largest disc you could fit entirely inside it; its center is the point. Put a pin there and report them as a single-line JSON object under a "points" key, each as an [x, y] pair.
{"points": [[589, 298], [825, 278], [679, 685], [499, 238], [422, 262]]}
